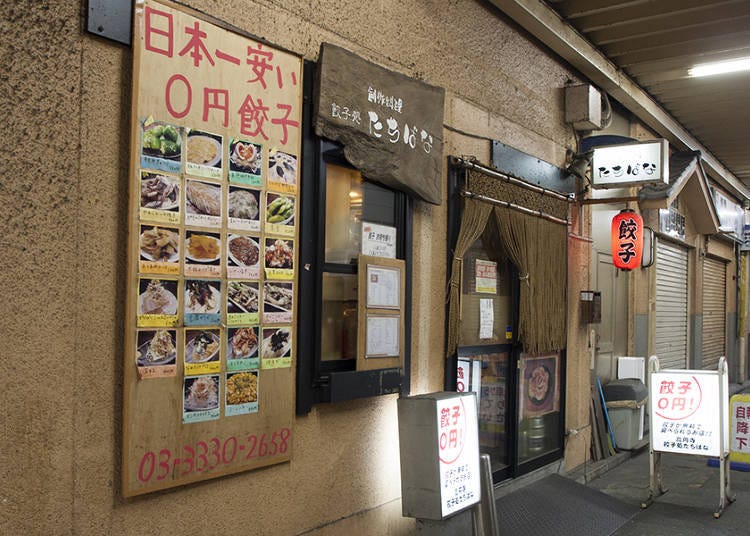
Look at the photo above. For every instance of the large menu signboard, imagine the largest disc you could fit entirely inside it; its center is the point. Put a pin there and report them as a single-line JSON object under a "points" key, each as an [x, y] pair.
{"points": [[210, 337]]}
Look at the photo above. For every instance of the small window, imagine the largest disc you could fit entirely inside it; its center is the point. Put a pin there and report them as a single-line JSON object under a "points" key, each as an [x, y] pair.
{"points": [[336, 200]]}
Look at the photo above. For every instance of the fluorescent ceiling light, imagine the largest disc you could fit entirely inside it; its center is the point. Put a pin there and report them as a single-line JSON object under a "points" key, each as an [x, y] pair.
{"points": [[720, 67]]}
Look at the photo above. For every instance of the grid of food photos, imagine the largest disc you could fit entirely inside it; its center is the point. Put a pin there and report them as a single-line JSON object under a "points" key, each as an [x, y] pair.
{"points": [[216, 274]]}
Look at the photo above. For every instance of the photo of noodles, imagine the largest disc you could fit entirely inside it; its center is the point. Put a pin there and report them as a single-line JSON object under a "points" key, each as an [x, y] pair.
{"points": [[156, 299], [242, 388], [160, 244], [202, 393], [159, 350], [203, 150], [203, 198]]}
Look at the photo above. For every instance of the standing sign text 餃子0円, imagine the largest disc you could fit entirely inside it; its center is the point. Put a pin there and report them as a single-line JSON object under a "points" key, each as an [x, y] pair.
{"points": [[689, 414], [212, 270]]}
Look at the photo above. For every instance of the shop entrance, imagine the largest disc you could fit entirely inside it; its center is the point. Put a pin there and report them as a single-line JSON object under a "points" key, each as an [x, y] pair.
{"points": [[506, 279], [486, 354]]}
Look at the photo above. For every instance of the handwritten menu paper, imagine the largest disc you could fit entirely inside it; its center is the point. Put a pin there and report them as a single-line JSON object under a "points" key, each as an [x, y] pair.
{"points": [[383, 336], [383, 287], [210, 323], [486, 318]]}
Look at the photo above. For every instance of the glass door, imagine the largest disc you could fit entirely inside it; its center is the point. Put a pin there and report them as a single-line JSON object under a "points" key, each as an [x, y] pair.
{"points": [[486, 345]]}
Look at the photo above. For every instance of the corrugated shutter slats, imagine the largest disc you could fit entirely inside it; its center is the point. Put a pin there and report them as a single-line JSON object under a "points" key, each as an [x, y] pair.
{"points": [[671, 341], [714, 312]]}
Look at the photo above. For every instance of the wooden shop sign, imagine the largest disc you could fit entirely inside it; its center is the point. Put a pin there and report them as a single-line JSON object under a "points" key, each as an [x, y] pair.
{"points": [[390, 125]]}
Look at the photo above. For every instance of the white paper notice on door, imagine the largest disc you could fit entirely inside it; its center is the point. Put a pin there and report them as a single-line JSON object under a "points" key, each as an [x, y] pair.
{"points": [[486, 318]]}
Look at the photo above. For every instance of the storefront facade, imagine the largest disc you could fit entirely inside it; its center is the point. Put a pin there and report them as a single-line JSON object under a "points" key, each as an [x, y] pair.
{"points": [[67, 188]]}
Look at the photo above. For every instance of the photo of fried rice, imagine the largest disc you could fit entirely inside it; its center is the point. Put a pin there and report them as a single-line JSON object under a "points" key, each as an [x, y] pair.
{"points": [[242, 388]]}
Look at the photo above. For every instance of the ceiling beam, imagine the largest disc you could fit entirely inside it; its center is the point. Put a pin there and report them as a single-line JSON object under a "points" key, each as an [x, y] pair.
{"points": [[547, 26]]}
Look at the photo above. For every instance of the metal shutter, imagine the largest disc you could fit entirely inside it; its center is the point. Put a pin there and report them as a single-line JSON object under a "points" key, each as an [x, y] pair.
{"points": [[671, 337], [714, 312]]}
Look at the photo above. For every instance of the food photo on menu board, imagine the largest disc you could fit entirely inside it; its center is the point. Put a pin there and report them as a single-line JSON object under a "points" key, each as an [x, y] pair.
{"points": [[277, 343], [157, 296], [204, 151], [202, 253], [202, 203], [282, 171], [243, 209], [156, 347], [200, 397], [242, 348], [241, 393], [245, 162], [278, 298], [242, 299], [159, 249], [243, 257], [160, 192], [202, 302], [202, 350], [161, 146], [280, 209], [280, 214], [279, 257]]}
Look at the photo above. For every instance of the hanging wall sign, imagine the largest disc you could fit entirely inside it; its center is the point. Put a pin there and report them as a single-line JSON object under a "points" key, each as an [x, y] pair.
{"points": [[391, 125], [731, 215], [630, 164], [627, 240]]}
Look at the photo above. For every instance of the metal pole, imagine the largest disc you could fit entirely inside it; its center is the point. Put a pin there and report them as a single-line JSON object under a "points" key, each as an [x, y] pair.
{"points": [[725, 493], [656, 487], [484, 513]]}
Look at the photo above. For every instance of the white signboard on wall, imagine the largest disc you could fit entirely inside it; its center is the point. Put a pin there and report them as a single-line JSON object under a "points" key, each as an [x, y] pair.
{"points": [[686, 414], [630, 164]]}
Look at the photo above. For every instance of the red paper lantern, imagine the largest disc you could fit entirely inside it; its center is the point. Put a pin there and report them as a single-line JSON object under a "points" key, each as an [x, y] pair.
{"points": [[627, 240]]}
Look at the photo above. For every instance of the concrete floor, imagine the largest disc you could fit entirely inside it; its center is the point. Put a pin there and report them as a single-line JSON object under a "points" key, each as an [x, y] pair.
{"points": [[690, 502]]}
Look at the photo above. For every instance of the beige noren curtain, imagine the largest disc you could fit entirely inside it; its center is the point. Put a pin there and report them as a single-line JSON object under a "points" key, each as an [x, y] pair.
{"points": [[537, 247], [473, 221]]}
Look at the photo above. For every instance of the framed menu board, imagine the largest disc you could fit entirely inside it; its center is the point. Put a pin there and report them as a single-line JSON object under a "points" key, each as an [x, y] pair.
{"points": [[212, 251], [380, 314]]}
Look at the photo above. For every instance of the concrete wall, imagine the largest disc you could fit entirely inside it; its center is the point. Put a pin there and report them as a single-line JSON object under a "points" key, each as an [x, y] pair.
{"points": [[64, 190]]}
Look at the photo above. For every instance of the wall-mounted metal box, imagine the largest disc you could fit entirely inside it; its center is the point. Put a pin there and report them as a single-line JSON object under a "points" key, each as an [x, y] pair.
{"points": [[583, 107], [591, 307]]}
